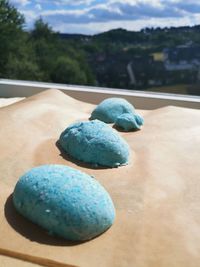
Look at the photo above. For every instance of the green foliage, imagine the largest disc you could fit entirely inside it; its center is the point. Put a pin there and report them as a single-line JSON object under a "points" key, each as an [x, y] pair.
{"points": [[68, 70], [39, 55], [23, 69], [44, 55], [59, 60], [42, 30], [11, 23], [10, 18]]}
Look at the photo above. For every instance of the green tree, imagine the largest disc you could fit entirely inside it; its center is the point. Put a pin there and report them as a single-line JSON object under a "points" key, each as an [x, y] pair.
{"points": [[42, 30], [11, 31], [59, 60], [23, 69], [68, 70], [46, 47]]}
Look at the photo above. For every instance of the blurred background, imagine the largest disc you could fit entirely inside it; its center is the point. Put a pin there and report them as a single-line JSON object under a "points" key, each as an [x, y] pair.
{"points": [[136, 45]]}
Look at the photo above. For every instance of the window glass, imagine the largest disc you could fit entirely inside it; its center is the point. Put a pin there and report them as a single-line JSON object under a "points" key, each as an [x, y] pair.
{"points": [[136, 45]]}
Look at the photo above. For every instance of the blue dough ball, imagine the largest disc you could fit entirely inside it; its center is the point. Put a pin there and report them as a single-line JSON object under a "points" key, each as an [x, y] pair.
{"points": [[66, 202], [129, 121], [95, 142], [111, 108]]}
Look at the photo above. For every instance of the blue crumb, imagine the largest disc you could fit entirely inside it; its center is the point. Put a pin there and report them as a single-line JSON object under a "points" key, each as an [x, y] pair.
{"points": [[111, 108], [64, 201], [96, 143], [129, 122]]}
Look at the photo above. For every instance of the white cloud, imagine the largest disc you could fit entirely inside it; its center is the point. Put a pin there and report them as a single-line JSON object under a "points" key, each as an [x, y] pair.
{"points": [[94, 28], [67, 2], [38, 7], [20, 2], [94, 16]]}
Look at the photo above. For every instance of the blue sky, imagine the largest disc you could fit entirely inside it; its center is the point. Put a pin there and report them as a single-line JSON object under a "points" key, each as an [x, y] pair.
{"points": [[94, 16]]}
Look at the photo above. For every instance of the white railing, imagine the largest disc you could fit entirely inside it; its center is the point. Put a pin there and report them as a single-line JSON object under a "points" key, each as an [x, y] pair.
{"points": [[140, 99]]}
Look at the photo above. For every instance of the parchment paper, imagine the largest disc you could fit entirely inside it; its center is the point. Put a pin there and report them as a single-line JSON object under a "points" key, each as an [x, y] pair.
{"points": [[8, 101], [157, 196]]}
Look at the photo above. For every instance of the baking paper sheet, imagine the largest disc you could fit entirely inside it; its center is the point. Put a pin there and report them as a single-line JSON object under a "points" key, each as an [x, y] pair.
{"points": [[157, 196]]}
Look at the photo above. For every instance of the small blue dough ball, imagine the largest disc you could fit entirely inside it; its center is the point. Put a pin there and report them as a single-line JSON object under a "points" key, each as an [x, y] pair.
{"points": [[95, 142], [129, 121], [111, 108], [64, 201]]}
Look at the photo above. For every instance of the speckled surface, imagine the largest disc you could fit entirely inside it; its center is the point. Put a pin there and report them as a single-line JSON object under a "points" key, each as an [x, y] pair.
{"points": [[64, 201], [111, 108], [95, 142], [129, 122], [156, 198]]}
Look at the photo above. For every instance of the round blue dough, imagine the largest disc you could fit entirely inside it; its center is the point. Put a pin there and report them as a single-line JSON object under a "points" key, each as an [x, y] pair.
{"points": [[111, 108], [129, 121], [95, 142], [66, 202]]}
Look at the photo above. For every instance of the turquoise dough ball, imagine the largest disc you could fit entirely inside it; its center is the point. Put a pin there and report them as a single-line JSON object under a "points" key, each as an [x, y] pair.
{"points": [[95, 142], [129, 121], [66, 202], [111, 108]]}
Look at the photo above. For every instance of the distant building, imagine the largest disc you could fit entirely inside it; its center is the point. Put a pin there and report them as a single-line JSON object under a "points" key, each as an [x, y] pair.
{"points": [[145, 72], [181, 64], [183, 57]]}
